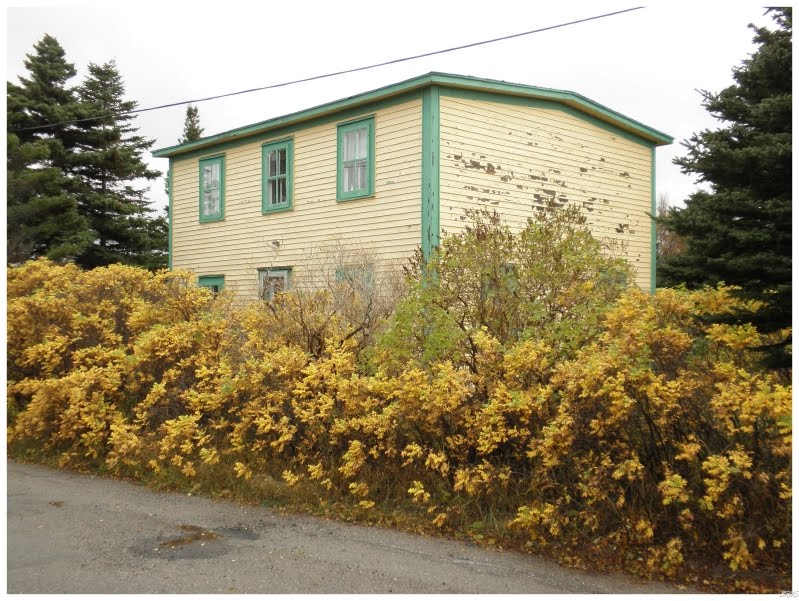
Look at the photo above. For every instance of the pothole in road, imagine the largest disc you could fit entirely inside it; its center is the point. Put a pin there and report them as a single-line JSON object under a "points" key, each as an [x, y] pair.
{"points": [[192, 534], [183, 542]]}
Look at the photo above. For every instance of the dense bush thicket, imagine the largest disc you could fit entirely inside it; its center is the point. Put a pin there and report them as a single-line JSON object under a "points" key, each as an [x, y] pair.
{"points": [[519, 392]]}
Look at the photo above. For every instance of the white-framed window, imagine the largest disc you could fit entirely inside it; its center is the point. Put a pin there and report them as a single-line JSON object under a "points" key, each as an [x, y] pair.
{"points": [[273, 280]]}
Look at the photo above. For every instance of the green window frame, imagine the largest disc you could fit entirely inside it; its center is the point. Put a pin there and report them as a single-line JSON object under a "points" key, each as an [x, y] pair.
{"points": [[277, 166], [215, 283], [356, 276], [272, 280], [212, 189], [355, 174]]}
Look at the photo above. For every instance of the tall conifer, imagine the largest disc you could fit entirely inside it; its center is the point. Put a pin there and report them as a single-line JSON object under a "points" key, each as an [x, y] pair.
{"points": [[109, 163], [191, 125], [191, 132], [42, 212], [739, 231]]}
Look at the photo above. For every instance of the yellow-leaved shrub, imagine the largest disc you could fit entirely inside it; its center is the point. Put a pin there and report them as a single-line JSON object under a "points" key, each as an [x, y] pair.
{"points": [[588, 419], [666, 437]]}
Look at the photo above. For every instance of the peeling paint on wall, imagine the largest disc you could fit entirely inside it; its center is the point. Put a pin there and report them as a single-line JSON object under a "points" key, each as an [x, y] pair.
{"points": [[606, 176]]}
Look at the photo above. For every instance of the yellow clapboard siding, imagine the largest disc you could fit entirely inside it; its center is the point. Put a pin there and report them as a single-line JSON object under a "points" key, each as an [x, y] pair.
{"points": [[471, 121], [583, 149], [584, 165], [623, 208], [607, 205], [274, 223], [512, 170], [367, 209], [494, 142], [392, 216], [293, 252], [558, 162], [492, 183], [541, 125], [394, 221], [389, 222]]}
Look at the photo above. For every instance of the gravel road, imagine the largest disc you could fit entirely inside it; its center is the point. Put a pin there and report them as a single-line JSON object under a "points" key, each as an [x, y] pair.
{"points": [[73, 533]]}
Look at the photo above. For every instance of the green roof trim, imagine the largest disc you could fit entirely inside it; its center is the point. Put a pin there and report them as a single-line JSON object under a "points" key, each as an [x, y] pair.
{"points": [[443, 80]]}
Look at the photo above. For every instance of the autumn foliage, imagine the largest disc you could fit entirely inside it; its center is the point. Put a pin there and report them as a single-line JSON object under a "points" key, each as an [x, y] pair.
{"points": [[520, 393]]}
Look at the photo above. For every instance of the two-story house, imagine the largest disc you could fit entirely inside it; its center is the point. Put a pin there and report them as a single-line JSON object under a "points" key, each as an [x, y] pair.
{"points": [[393, 169]]}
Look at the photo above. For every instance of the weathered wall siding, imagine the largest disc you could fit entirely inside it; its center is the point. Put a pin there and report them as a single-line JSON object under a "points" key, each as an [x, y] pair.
{"points": [[237, 247], [514, 158]]}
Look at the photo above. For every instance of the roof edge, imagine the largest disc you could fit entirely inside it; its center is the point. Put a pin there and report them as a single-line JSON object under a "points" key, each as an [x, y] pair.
{"points": [[577, 101]]}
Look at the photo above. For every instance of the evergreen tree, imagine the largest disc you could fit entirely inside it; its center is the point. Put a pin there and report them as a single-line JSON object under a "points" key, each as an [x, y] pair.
{"points": [[108, 163], [191, 133], [42, 212], [739, 231], [191, 126]]}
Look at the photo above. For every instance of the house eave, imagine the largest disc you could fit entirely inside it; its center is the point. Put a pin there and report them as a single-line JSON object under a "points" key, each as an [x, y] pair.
{"points": [[443, 80]]}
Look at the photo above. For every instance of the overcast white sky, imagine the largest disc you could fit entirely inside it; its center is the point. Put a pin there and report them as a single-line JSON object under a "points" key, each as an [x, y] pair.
{"points": [[647, 64]]}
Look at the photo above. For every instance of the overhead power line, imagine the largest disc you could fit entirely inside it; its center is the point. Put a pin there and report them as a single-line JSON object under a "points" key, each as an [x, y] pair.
{"points": [[334, 74]]}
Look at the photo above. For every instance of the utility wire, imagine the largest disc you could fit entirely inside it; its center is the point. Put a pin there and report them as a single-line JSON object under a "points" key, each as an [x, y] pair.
{"points": [[315, 77]]}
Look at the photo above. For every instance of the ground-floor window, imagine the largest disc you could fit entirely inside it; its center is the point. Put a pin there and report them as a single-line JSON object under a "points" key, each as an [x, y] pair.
{"points": [[358, 276], [215, 283], [273, 280]]}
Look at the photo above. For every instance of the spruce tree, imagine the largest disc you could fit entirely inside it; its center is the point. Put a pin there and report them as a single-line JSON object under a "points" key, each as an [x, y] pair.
{"points": [[42, 211], [191, 133], [191, 126], [109, 163], [739, 231]]}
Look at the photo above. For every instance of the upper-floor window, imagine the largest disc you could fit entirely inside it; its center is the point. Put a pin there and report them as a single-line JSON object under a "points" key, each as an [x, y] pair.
{"points": [[212, 189], [277, 170], [356, 160]]}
